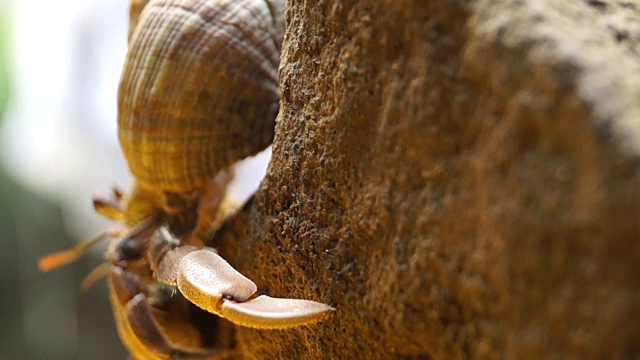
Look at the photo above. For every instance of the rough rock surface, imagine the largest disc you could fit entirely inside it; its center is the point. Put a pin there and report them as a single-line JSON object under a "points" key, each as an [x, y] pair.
{"points": [[459, 179]]}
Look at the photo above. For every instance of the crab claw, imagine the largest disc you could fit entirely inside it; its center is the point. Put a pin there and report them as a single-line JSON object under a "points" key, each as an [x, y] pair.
{"points": [[209, 282], [265, 312], [205, 279]]}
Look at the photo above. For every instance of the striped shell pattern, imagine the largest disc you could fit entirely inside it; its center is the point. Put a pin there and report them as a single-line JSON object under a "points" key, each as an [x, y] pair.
{"points": [[199, 90]]}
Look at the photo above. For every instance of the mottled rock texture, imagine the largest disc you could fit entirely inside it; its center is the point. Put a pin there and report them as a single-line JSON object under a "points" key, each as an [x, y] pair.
{"points": [[459, 179]]}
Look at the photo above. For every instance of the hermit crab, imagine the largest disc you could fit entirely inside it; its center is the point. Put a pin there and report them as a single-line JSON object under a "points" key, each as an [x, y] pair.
{"points": [[198, 92]]}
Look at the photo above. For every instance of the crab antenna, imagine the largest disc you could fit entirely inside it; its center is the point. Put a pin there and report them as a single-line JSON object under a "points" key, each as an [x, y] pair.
{"points": [[61, 258], [109, 208], [96, 274]]}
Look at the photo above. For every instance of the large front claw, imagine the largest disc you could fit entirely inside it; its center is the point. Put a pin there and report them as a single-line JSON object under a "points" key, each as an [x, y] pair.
{"points": [[208, 281]]}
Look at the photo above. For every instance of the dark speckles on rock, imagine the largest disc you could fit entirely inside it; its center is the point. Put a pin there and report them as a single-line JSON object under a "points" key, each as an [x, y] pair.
{"points": [[601, 5], [449, 208]]}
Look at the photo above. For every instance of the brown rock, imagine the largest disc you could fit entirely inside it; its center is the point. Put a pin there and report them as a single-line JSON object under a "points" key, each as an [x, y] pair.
{"points": [[459, 179]]}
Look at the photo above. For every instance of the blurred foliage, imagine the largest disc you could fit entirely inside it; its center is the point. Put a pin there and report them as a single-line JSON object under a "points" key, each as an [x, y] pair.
{"points": [[47, 316], [44, 316], [4, 78]]}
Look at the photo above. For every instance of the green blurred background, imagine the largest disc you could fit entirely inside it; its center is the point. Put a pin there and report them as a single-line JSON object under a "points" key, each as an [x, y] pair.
{"points": [[60, 62], [48, 316]]}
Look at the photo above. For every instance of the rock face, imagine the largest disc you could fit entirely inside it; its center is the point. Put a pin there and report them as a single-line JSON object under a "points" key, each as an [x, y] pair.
{"points": [[459, 179]]}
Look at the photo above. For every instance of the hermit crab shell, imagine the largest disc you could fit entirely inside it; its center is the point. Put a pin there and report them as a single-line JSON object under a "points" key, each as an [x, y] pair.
{"points": [[199, 89]]}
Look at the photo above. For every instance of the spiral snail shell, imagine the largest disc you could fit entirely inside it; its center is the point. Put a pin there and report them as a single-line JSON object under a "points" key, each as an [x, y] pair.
{"points": [[198, 92], [135, 8]]}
